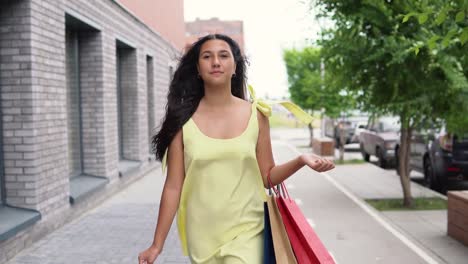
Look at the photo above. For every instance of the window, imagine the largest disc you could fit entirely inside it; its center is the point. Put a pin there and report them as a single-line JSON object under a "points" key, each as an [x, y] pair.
{"points": [[2, 192], [84, 70], [171, 73], [82, 46], [150, 98], [75, 151], [127, 101]]}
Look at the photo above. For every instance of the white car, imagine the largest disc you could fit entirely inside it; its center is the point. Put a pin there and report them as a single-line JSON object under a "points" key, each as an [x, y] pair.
{"points": [[360, 126]]}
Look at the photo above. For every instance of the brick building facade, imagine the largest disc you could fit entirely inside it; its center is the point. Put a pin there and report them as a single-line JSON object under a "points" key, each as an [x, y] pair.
{"points": [[83, 87], [160, 16], [202, 27]]}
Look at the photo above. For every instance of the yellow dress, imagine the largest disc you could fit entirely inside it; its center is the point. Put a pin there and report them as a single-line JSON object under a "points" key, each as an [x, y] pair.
{"points": [[220, 216]]}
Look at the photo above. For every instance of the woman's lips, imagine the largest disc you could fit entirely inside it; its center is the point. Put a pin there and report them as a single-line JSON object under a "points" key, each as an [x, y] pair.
{"points": [[216, 73]]}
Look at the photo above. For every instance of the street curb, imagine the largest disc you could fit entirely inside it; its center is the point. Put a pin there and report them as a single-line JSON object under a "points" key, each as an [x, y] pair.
{"points": [[433, 192], [412, 238], [376, 215]]}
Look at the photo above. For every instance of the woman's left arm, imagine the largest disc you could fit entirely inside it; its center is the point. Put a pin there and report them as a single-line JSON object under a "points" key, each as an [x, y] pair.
{"points": [[279, 173]]}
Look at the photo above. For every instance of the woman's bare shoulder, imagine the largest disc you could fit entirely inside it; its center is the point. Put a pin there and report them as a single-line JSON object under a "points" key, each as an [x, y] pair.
{"points": [[242, 106]]}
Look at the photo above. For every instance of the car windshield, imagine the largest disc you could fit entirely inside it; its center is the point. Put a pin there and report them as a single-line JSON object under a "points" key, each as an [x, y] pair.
{"points": [[389, 125]]}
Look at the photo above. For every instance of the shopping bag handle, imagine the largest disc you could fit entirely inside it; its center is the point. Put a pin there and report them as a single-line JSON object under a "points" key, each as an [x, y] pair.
{"points": [[271, 186], [278, 190]]}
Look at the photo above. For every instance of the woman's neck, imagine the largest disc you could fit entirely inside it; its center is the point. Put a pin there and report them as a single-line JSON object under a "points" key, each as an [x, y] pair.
{"points": [[217, 96]]}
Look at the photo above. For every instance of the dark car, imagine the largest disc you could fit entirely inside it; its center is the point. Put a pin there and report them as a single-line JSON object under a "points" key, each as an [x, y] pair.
{"points": [[440, 156]]}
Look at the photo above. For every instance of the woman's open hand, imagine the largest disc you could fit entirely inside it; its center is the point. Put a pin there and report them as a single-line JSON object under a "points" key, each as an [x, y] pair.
{"points": [[148, 256], [316, 162]]}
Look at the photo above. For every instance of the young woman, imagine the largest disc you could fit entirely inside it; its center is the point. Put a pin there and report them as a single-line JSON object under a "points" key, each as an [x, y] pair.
{"points": [[218, 151]]}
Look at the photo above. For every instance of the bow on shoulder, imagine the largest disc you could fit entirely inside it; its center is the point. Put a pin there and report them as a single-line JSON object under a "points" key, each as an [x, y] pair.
{"points": [[265, 106]]}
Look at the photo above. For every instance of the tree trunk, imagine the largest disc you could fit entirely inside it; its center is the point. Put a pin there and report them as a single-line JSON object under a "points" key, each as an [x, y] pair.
{"points": [[342, 143], [404, 151], [311, 132]]}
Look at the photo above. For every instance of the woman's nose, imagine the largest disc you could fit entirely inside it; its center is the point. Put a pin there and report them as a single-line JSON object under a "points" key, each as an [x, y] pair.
{"points": [[215, 61]]}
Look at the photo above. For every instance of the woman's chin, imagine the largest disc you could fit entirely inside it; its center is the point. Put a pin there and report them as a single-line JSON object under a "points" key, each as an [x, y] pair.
{"points": [[216, 81]]}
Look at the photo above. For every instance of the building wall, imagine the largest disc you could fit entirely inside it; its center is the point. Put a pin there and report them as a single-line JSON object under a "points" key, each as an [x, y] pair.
{"points": [[166, 17], [36, 111], [199, 28], [19, 129]]}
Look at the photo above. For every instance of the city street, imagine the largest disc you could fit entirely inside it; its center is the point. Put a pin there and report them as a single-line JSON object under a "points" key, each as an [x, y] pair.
{"points": [[353, 232], [90, 91]]}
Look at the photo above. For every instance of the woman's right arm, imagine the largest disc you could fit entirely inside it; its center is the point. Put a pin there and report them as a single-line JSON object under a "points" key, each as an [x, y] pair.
{"points": [[171, 192]]}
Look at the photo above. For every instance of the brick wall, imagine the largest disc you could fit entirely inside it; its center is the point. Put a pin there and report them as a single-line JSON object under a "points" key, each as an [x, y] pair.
{"points": [[200, 27], [166, 17], [41, 122], [20, 153]]}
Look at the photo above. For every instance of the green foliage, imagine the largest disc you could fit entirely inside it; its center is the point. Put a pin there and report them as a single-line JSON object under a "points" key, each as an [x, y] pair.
{"points": [[307, 87], [303, 67], [449, 22], [388, 64]]}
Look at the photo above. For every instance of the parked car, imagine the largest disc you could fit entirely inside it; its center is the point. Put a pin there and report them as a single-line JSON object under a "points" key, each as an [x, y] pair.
{"points": [[348, 128], [360, 126], [440, 156], [349, 125], [380, 138]]}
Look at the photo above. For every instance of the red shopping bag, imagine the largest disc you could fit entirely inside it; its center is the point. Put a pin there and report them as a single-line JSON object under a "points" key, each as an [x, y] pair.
{"points": [[306, 245]]}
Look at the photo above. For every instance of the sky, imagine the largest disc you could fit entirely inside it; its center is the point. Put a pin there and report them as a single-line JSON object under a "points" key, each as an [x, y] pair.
{"points": [[269, 28]]}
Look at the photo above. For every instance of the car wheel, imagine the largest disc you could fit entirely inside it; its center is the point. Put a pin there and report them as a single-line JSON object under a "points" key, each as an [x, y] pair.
{"points": [[382, 161], [429, 176], [365, 156]]}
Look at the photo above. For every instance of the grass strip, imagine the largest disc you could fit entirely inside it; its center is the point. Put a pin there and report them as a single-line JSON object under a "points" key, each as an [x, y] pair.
{"points": [[351, 161], [420, 203]]}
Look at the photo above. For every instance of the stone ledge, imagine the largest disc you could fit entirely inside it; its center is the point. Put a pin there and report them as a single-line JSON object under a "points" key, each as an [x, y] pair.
{"points": [[83, 185], [13, 220], [128, 167]]}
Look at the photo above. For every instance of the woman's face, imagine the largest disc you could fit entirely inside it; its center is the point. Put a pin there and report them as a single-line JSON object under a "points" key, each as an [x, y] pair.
{"points": [[216, 62]]}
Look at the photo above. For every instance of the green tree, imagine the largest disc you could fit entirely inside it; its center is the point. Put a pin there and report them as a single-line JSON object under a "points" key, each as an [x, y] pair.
{"points": [[445, 21], [307, 78], [371, 53], [446, 30]]}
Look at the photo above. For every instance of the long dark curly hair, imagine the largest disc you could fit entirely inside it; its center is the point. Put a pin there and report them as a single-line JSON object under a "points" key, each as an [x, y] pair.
{"points": [[186, 90]]}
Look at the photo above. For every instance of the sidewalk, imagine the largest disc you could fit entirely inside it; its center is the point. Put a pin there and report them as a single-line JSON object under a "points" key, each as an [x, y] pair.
{"points": [[347, 230], [114, 232], [426, 230], [117, 230]]}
